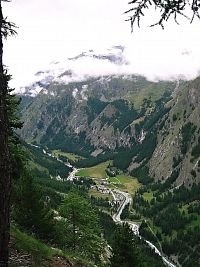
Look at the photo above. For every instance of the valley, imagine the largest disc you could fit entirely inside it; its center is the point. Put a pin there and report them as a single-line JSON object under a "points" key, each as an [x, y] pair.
{"points": [[108, 188], [129, 146]]}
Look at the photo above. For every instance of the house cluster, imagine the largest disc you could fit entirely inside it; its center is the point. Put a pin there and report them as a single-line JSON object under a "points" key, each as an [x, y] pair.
{"points": [[102, 189]]}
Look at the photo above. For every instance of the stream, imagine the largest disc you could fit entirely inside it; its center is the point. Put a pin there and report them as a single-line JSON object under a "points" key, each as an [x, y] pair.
{"points": [[125, 199], [134, 225]]}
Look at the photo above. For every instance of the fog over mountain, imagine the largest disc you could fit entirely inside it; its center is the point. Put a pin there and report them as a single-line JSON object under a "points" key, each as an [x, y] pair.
{"points": [[115, 60]]}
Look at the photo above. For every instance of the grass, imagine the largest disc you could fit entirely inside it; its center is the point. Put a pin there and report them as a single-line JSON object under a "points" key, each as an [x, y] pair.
{"points": [[148, 196], [39, 250], [125, 183], [97, 171], [34, 165], [70, 156], [152, 91], [29, 244], [122, 182]]}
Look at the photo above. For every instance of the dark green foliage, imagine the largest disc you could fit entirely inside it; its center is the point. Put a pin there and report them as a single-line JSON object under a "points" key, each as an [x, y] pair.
{"points": [[44, 181], [148, 146], [196, 150], [79, 229], [167, 214], [92, 161], [176, 161], [170, 180], [144, 150], [108, 226], [52, 165], [31, 212], [142, 173], [123, 159], [187, 132], [194, 208], [68, 142], [25, 102], [130, 251], [174, 216], [94, 108], [186, 245], [146, 233], [125, 114], [124, 248], [100, 202], [125, 213]]}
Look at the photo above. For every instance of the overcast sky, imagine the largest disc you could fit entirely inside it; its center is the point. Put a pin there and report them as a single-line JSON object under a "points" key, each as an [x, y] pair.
{"points": [[52, 30]]}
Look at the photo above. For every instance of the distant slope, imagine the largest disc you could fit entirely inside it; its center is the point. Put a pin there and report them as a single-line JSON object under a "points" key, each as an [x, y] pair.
{"points": [[92, 116], [178, 145]]}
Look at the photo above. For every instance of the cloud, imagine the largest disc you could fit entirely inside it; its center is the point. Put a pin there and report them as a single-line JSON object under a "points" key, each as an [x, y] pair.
{"points": [[55, 30]]}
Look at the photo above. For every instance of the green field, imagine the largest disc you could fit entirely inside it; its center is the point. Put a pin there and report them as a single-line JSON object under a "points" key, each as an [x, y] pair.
{"points": [[122, 182], [70, 156], [97, 171], [125, 183]]}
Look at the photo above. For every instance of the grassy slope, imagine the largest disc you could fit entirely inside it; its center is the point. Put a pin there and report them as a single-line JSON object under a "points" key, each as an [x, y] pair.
{"points": [[153, 91], [125, 183], [97, 171], [40, 252], [70, 156]]}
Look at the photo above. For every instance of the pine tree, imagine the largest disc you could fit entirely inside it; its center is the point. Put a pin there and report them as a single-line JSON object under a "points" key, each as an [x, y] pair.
{"points": [[29, 210], [124, 252], [6, 171], [81, 227]]}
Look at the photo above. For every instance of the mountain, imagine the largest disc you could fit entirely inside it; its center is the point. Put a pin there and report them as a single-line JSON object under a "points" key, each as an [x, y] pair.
{"points": [[148, 129], [94, 116], [79, 68], [178, 145], [108, 116]]}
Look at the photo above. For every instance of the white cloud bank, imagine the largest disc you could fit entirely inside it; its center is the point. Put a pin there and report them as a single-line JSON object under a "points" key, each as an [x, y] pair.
{"points": [[55, 30]]}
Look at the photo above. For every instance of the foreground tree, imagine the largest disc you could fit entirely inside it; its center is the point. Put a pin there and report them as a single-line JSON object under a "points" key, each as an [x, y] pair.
{"points": [[80, 227], [6, 129], [124, 248], [33, 216], [166, 8]]}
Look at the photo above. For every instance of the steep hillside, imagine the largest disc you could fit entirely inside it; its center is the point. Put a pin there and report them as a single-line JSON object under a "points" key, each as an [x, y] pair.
{"points": [[149, 128], [178, 148], [94, 116]]}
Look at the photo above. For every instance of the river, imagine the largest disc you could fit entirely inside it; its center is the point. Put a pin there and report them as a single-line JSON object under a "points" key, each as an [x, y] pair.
{"points": [[125, 199]]}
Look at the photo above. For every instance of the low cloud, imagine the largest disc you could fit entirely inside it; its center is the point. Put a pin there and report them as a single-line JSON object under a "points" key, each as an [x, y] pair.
{"points": [[117, 61]]}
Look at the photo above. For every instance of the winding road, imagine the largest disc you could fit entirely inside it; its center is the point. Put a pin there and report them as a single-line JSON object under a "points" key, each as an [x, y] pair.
{"points": [[125, 199]]}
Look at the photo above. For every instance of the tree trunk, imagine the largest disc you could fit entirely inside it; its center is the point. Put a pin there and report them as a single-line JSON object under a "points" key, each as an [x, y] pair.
{"points": [[5, 166]]}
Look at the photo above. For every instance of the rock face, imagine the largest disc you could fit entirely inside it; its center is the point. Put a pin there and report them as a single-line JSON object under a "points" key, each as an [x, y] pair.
{"points": [[155, 123], [178, 145], [102, 113]]}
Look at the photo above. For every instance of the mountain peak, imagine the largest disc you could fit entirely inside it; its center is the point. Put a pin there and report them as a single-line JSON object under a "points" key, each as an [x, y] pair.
{"points": [[87, 64]]}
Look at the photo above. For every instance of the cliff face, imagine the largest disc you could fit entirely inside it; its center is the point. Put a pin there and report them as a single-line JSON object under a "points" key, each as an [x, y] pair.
{"points": [[156, 123], [178, 145], [98, 114]]}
